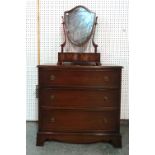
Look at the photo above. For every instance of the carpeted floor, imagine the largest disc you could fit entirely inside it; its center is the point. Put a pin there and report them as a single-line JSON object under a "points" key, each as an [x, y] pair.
{"points": [[57, 148]]}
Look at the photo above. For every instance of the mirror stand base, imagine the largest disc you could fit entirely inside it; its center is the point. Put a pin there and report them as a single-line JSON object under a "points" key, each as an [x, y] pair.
{"points": [[92, 59]]}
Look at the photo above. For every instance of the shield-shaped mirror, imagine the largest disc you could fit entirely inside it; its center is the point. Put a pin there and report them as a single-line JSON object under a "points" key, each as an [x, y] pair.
{"points": [[79, 24]]}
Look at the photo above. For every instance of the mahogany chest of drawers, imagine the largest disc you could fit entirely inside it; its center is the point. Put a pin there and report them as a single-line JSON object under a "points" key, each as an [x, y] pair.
{"points": [[79, 104]]}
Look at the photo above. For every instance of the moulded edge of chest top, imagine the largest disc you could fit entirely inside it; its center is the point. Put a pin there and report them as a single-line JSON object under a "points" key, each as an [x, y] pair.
{"points": [[77, 67]]}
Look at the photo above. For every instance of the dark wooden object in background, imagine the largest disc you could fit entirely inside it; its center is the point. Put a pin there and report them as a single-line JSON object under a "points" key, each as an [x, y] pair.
{"points": [[79, 104]]}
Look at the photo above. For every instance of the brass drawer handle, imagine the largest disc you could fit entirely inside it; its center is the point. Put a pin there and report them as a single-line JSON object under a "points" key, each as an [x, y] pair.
{"points": [[106, 78], [52, 77], [52, 97], [52, 119], [105, 120], [105, 98]]}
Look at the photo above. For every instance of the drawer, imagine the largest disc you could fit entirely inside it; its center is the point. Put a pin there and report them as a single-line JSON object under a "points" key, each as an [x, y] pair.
{"points": [[79, 98], [94, 78], [76, 121]]}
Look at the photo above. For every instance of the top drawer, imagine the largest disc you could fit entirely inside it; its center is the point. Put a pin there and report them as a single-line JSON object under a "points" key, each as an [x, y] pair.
{"points": [[95, 78]]}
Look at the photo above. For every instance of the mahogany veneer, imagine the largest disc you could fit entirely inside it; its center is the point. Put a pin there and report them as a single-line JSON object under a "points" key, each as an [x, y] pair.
{"points": [[79, 104]]}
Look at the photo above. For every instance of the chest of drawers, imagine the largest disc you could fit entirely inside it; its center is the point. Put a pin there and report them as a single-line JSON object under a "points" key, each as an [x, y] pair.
{"points": [[79, 104]]}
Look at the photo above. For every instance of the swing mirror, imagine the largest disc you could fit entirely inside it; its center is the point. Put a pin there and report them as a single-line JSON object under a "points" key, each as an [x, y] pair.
{"points": [[79, 24]]}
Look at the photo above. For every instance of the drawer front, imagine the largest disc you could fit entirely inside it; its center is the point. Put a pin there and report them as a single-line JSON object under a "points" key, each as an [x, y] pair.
{"points": [[107, 78], [67, 120], [79, 98]]}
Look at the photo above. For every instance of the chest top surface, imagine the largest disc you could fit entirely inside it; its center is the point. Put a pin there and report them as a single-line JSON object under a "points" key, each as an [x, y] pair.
{"points": [[56, 66]]}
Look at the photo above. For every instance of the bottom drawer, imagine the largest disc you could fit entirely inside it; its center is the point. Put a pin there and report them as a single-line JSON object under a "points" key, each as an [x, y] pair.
{"points": [[76, 120]]}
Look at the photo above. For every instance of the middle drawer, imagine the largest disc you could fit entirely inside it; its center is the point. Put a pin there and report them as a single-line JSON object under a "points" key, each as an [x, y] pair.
{"points": [[79, 98]]}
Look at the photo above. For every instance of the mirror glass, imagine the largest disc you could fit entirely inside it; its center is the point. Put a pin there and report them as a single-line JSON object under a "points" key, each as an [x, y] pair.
{"points": [[79, 23]]}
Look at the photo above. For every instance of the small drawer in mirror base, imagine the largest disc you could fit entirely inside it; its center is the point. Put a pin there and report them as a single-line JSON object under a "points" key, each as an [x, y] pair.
{"points": [[80, 138], [80, 58]]}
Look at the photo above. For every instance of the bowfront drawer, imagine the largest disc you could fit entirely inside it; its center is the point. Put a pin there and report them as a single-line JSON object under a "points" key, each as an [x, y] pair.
{"points": [[67, 120], [79, 98], [97, 78]]}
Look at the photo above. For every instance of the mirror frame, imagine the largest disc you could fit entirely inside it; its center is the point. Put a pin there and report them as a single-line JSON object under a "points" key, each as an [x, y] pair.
{"points": [[91, 34], [67, 25]]}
